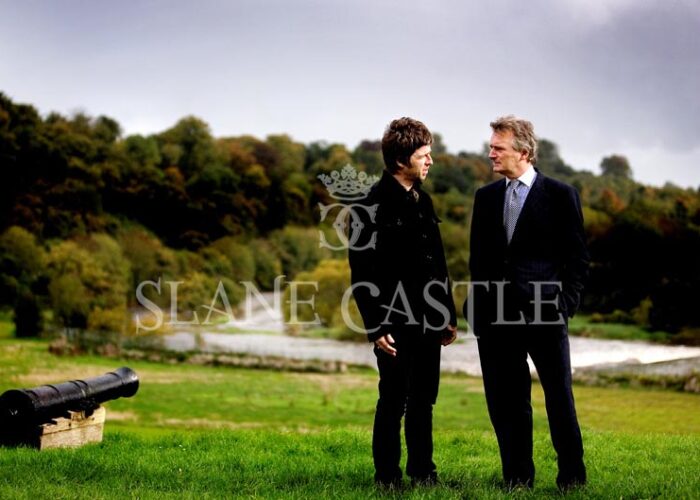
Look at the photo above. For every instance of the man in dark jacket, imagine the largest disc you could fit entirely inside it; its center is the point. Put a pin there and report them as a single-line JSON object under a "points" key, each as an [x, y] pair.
{"points": [[528, 262], [401, 287]]}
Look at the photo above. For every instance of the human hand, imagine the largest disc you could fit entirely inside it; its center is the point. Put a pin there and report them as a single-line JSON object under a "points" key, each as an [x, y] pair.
{"points": [[384, 343], [449, 335]]}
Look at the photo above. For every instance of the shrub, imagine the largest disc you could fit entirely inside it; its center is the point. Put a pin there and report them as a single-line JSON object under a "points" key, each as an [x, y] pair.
{"points": [[148, 257], [109, 320], [240, 257], [333, 279], [297, 248], [267, 264], [87, 274], [197, 291], [22, 268]]}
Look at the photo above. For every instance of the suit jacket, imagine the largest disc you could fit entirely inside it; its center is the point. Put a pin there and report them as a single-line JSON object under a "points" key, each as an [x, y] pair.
{"points": [[408, 253], [548, 245]]}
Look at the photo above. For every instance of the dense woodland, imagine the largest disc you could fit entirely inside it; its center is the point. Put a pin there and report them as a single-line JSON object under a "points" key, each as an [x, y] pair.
{"points": [[86, 214]]}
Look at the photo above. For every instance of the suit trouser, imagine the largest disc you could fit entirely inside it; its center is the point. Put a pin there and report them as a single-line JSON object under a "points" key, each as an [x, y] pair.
{"points": [[503, 353], [408, 384]]}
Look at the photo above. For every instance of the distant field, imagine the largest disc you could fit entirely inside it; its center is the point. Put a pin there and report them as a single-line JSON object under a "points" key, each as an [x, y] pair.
{"points": [[581, 325]]}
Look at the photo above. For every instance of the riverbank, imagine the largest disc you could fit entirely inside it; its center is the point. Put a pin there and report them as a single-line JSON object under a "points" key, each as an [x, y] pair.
{"points": [[461, 357], [594, 361]]}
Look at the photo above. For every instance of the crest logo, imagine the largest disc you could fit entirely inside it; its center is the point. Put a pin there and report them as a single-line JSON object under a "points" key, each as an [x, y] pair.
{"points": [[348, 185]]}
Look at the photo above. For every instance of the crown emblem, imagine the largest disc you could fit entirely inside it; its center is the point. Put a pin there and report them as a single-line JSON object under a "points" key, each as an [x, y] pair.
{"points": [[348, 184]]}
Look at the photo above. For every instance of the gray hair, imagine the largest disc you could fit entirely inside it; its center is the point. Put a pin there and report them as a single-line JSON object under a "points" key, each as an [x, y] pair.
{"points": [[523, 134]]}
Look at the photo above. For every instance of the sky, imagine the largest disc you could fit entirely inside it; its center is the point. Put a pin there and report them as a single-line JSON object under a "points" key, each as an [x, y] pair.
{"points": [[597, 77]]}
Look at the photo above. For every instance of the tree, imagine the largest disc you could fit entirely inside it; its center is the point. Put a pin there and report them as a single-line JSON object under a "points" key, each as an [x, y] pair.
{"points": [[451, 172], [368, 156], [549, 161], [609, 202], [143, 150], [267, 264], [298, 249], [290, 158], [89, 281], [438, 147], [22, 264], [191, 138], [333, 280], [333, 157], [24, 158], [239, 256], [106, 129], [296, 192], [148, 258], [616, 166]]}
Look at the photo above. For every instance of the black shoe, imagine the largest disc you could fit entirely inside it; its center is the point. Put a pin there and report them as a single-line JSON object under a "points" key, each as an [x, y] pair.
{"points": [[567, 480], [393, 484], [569, 483], [518, 483], [425, 481]]}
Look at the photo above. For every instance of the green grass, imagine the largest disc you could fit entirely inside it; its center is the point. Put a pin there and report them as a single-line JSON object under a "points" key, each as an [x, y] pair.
{"points": [[328, 464], [7, 326], [582, 326], [334, 333], [210, 432]]}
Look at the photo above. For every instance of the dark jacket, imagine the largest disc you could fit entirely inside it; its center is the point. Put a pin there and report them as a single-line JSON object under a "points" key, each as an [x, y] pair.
{"points": [[548, 245], [407, 255]]}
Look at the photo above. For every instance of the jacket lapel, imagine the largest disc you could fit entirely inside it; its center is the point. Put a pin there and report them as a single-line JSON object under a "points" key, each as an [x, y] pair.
{"points": [[498, 200]]}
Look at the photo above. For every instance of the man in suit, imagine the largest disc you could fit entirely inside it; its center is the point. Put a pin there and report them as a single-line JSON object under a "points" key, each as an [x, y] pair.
{"points": [[401, 287], [528, 262]]}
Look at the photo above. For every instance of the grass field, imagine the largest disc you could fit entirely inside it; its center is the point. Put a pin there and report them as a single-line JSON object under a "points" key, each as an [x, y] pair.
{"points": [[581, 325], [7, 327], [209, 432]]}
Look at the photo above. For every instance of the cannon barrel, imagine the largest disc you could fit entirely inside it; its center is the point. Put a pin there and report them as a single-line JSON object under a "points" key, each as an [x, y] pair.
{"points": [[24, 407]]}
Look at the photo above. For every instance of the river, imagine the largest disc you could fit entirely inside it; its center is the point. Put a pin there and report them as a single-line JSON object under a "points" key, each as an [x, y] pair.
{"points": [[460, 357]]}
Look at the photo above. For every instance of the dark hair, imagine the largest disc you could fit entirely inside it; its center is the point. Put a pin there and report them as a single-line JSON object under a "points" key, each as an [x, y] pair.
{"points": [[401, 139], [523, 134]]}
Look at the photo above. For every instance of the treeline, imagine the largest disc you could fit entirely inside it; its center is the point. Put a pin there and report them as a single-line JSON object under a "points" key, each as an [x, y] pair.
{"points": [[87, 214]]}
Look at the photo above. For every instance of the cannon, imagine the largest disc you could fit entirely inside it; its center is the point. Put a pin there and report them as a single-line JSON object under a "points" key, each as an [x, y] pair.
{"points": [[24, 410]]}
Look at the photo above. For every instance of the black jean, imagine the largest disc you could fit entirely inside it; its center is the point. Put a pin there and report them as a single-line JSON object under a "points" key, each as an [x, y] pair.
{"points": [[408, 384], [507, 383]]}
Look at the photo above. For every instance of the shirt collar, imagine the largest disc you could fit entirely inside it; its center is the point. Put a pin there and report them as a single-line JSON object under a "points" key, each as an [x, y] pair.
{"points": [[396, 190], [527, 178]]}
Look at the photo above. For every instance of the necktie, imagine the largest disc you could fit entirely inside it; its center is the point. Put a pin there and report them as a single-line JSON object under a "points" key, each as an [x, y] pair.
{"points": [[513, 204]]}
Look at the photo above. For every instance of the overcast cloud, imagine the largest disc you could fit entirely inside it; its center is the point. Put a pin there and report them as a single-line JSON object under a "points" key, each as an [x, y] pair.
{"points": [[596, 77]]}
